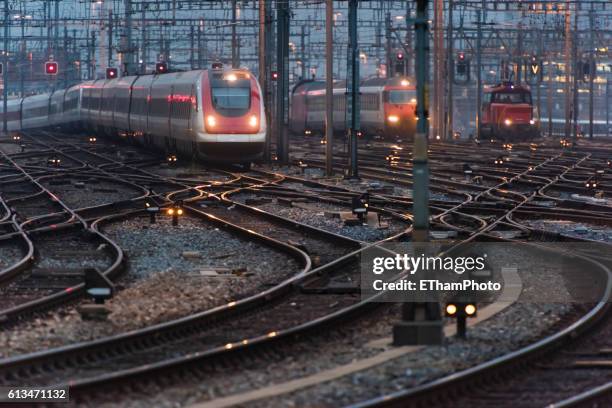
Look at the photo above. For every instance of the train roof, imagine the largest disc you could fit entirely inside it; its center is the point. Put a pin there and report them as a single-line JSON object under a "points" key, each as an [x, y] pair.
{"points": [[508, 87], [308, 85]]}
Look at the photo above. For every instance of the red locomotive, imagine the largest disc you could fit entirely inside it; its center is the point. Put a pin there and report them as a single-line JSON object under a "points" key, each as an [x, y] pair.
{"points": [[387, 107], [507, 113]]}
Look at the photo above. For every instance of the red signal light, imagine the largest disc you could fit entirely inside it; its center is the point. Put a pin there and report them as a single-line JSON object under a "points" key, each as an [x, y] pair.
{"points": [[51, 67], [111, 73], [400, 56], [275, 76], [461, 56], [161, 68]]}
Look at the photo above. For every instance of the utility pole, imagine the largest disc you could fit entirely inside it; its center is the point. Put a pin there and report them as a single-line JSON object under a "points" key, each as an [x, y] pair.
{"points": [[478, 70], [5, 61], [421, 322], [329, 88], [128, 46], [592, 70], [264, 62], [438, 68], [303, 52], [450, 67], [235, 62], [110, 37], [568, 69], [575, 106], [352, 91], [388, 45], [550, 97], [282, 99], [143, 41]]}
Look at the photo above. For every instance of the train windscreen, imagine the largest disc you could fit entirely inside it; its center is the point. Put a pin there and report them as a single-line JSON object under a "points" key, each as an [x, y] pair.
{"points": [[231, 98], [511, 97], [401, 97]]}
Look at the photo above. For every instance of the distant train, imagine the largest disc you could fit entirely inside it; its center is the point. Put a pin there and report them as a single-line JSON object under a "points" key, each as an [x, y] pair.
{"points": [[215, 115], [388, 107], [507, 113]]}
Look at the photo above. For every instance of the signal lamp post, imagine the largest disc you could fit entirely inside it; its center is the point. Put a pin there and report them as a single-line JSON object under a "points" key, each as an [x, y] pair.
{"points": [[461, 311], [175, 212]]}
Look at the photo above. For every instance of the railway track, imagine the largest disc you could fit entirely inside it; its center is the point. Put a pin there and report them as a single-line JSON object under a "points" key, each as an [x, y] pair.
{"points": [[204, 337]]}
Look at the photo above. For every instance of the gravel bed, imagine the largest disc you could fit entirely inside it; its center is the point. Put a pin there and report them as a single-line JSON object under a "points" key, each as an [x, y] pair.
{"points": [[314, 213], [162, 283], [91, 193], [573, 229], [9, 254], [10, 147], [516, 326]]}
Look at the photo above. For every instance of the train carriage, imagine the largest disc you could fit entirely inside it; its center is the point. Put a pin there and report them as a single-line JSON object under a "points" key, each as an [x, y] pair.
{"points": [[388, 107], [216, 115]]}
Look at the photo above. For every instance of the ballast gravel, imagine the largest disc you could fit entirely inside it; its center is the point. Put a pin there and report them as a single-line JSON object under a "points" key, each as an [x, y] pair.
{"points": [[319, 215], [520, 324], [168, 278]]}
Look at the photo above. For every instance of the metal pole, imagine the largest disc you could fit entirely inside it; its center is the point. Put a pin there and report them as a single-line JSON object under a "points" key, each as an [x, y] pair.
{"points": [[607, 105], [592, 71], [575, 106], [388, 45], [282, 100], [110, 38], [143, 41], [352, 88], [438, 67], [414, 328], [450, 66], [478, 72], [420, 193], [5, 68], [329, 88], [235, 62], [262, 70], [550, 98], [568, 69], [269, 45], [303, 52], [129, 46]]}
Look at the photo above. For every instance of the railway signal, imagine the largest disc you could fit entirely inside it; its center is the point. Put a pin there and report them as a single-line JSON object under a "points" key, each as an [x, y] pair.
{"points": [[175, 212], [51, 68], [461, 311], [274, 75], [462, 69], [535, 69], [360, 206], [152, 210], [161, 68], [16, 138], [172, 159], [111, 73], [92, 140]]}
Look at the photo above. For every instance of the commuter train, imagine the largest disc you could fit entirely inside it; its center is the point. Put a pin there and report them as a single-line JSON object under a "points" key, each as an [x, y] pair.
{"points": [[388, 107], [214, 115], [507, 113]]}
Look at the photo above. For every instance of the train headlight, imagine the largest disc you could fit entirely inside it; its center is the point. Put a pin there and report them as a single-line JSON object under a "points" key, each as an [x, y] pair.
{"points": [[413, 100], [393, 119], [253, 122], [507, 122], [211, 121], [405, 82], [532, 122], [451, 309], [231, 77]]}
